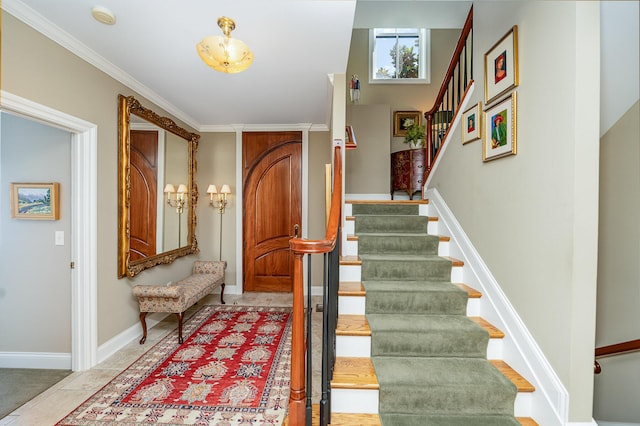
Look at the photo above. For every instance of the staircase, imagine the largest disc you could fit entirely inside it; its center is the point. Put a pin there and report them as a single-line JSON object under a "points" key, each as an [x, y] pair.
{"points": [[407, 351]]}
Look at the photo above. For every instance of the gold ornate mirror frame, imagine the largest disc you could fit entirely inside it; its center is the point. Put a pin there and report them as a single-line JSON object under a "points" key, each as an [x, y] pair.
{"points": [[126, 267]]}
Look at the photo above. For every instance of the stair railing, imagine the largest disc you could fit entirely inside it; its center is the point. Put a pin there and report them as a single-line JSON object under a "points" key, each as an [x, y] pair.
{"points": [[300, 394], [454, 85], [617, 349]]}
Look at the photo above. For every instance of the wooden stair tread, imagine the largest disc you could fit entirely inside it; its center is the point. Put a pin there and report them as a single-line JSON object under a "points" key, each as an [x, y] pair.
{"points": [[386, 201], [521, 383], [454, 261], [494, 332], [352, 325], [351, 288], [472, 292], [354, 373], [350, 260], [352, 237], [342, 419], [526, 421]]}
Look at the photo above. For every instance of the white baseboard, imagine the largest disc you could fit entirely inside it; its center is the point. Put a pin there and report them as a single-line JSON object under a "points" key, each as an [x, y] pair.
{"points": [[549, 405], [45, 360], [127, 336]]}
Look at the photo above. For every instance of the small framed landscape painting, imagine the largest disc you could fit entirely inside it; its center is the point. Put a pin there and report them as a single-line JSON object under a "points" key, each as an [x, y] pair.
{"points": [[500, 129], [501, 66], [472, 124], [404, 119], [37, 201]]}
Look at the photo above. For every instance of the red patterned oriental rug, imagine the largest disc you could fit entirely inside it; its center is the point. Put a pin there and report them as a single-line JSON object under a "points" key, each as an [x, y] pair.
{"points": [[232, 369]]}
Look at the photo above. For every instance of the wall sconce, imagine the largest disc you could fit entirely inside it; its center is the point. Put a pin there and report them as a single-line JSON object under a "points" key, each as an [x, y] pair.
{"points": [[177, 201], [219, 201]]}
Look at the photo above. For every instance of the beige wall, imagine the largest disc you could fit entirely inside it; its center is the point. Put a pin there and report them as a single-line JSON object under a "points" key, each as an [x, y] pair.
{"points": [[615, 396], [533, 217]]}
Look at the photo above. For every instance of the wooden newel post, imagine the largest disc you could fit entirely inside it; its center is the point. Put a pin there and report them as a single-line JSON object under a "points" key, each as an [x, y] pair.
{"points": [[297, 382]]}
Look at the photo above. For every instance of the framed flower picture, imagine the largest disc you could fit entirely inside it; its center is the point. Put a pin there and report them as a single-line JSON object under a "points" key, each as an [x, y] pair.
{"points": [[38, 201], [472, 124], [404, 119], [501, 66], [500, 129]]}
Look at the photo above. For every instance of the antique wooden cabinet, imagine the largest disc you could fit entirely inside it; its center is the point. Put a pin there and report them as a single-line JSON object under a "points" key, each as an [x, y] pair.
{"points": [[407, 171]]}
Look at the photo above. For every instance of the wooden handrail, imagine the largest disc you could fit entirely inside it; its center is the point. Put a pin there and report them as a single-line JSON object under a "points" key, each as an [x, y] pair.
{"points": [[447, 82], [462, 42], [617, 349], [300, 247]]}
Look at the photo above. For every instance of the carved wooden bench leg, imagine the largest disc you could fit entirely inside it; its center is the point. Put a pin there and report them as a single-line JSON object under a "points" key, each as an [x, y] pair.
{"points": [[144, 327], [222, 293], [180, 316]]}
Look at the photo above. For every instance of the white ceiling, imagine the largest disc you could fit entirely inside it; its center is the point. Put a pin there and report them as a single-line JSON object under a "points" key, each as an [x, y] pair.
{"points": [[297, 45]]}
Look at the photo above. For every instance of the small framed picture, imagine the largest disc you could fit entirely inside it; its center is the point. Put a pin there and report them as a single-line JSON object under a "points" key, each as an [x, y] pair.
{"points": [[37, 201], [501, 66], [404, 119], [472, 124], [500, 129]]}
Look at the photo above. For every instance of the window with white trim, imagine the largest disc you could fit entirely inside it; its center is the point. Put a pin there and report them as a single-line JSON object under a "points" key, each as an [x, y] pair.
{"points": [[399, 55]]}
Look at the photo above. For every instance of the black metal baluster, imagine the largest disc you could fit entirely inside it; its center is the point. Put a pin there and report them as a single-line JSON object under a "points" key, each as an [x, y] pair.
{"points": [[326, 308], [309, 386]]}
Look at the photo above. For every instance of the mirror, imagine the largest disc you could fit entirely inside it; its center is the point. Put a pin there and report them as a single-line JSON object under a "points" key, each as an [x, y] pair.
{"points": [[154, 155]]}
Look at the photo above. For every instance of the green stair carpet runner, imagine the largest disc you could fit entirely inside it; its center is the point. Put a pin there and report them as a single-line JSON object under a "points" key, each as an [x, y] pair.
{"points": [[429, 357]]}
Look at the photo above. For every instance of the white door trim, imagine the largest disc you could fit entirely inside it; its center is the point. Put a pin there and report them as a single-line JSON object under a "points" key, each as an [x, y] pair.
{"points": [[84, 248]]}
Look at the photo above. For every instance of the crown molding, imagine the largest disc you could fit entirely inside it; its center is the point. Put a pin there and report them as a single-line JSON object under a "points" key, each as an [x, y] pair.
{"points": [[39, 23]]}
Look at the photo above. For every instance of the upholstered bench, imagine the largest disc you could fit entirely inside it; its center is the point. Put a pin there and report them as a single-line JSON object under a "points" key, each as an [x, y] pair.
{"points": [[179, 296]]}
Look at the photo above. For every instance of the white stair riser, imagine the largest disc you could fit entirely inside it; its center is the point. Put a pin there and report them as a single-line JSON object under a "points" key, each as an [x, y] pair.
{"points": [[354, 401], [353, 346], [443, 248], [351, 305], [494, 349], [350, 248], [473, 307], [457, 274], [523, 404], [350, 273], [432, 227]]}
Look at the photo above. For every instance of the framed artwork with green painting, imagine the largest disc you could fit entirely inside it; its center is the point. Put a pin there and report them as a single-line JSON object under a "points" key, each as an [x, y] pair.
{"points": [[500, 129]]}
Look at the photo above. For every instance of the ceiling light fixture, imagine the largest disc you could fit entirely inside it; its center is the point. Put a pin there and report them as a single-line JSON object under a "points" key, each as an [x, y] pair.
{"points": [[103, 15], [225, 54]]}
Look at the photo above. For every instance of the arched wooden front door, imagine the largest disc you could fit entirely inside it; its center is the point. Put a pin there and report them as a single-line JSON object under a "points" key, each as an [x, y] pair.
{"points": [[144, 181], [272, 208]]}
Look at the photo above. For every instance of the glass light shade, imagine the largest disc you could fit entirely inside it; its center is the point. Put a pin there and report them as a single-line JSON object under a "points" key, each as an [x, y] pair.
{"points": [[212, 189], [225, 54], [169, 188], [225, 189]]}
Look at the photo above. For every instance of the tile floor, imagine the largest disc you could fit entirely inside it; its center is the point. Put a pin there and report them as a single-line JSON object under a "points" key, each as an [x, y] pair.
{"points": [[62, 398]]}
